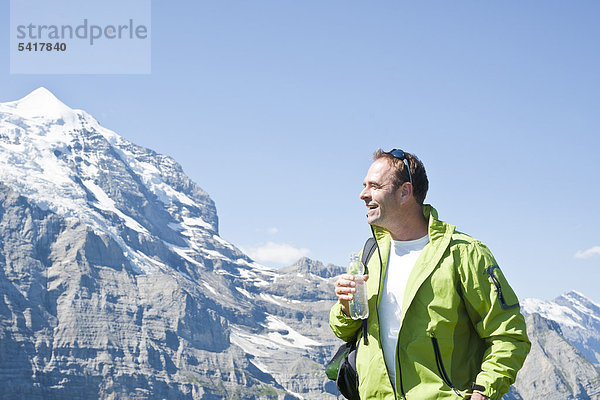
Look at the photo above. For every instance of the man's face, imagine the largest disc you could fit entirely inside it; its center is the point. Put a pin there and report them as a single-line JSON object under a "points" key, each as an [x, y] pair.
{"points": [[382, 200]]}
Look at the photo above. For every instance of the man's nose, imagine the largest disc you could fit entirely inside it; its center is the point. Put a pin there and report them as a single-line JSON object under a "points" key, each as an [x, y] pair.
{"points": [[364, 194]]}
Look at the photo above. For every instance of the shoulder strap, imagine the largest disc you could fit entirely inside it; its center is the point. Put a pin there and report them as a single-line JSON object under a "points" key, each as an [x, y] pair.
{"points": [[368, 250]]}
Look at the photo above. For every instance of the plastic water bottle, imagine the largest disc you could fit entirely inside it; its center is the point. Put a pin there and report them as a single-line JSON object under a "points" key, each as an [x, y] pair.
{"points": [[359, 305]]}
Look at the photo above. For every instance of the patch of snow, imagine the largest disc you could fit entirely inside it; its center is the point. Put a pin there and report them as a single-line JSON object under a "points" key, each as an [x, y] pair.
{"points": [[107, 204], [210, 288], [252, 276], [151, 260], [175, 227], [264, 270], [257, 345], [261, 283], [260, 366], [221, 271], [198, 221], [141, 262], [286, 336], [270, 299], [214, 254], [182, 252], [246, 274], [223, 242], [244, 292], [278, 335], [278, 300]]}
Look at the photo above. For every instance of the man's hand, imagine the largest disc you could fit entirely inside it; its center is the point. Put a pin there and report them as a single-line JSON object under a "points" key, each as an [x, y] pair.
{"points": [[344, 289], [478, 396]]}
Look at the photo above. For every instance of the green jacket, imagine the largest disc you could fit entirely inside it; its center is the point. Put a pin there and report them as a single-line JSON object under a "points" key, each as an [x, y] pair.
{"points": [[457, 327]]}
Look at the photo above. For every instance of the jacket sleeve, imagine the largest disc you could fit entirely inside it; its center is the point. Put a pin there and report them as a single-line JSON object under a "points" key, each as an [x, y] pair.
{"points": [[342, 326], [494, 311]]}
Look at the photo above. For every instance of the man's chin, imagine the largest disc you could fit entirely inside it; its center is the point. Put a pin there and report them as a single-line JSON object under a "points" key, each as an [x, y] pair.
{"points": [[372, 220]]}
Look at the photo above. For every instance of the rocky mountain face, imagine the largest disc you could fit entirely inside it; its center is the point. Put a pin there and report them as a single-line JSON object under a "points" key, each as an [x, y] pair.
{"points": [[555, 369], [563, 361], [115, 283]]}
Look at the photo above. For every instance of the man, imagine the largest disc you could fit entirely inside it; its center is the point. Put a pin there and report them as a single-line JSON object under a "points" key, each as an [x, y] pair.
{"points": [[443, 322]]}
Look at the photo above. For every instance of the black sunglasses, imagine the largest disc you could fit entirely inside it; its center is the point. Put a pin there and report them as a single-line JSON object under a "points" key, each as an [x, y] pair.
{"points": [[399, 154]]}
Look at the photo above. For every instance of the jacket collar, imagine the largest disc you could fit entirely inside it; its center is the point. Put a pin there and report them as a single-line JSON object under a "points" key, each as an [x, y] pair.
{"points": [[440, 234], [436, 229]]}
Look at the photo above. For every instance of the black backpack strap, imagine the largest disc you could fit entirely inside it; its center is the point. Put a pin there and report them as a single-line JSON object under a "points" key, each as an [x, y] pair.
{"points": [[368, 250], [364, 332]]}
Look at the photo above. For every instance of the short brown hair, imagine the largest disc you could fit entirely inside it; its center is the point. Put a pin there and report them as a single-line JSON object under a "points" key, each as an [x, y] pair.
{"points": [[417, 171]]}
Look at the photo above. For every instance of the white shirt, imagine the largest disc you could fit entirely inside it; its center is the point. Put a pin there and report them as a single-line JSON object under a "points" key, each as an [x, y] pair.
{"points": [[402, 259]]}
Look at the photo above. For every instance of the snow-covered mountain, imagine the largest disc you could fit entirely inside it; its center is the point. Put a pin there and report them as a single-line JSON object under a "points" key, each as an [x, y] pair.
{"points": [[578, 318], [65, 162], [563, 362], [116, 284]]}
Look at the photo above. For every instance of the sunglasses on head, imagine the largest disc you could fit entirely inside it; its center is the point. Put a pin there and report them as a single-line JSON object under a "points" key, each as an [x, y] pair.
{"points": [[399, 154]]}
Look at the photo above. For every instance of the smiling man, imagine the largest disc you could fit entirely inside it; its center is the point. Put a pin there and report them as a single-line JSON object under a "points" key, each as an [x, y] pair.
{"points": [[443, 322]]}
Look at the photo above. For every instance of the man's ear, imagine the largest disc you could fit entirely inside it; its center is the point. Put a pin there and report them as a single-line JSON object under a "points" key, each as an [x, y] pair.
{"points": [[405, 192]]}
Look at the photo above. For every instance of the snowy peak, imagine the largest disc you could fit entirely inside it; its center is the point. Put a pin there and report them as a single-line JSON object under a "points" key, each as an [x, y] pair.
{"points": [[552, 311], [586, 310], [571, 309], [578, 318], [579, 301], [40, 94], [64, 161], [40, 103]]}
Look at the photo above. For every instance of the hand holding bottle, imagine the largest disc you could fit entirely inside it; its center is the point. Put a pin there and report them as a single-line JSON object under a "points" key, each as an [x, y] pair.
{"points": [[351, 290]]}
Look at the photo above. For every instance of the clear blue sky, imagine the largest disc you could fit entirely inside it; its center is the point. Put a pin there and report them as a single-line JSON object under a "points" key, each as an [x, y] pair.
{"points": [[274, 108]]}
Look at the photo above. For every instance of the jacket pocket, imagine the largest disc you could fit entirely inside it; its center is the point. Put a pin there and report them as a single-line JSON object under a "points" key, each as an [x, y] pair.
{"points": [[496, 281], [440, 365]]}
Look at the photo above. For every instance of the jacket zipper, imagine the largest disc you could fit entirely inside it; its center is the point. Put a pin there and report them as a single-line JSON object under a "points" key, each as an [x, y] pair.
{"points": [[377, 309], [496, 282], [440, 365]]}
